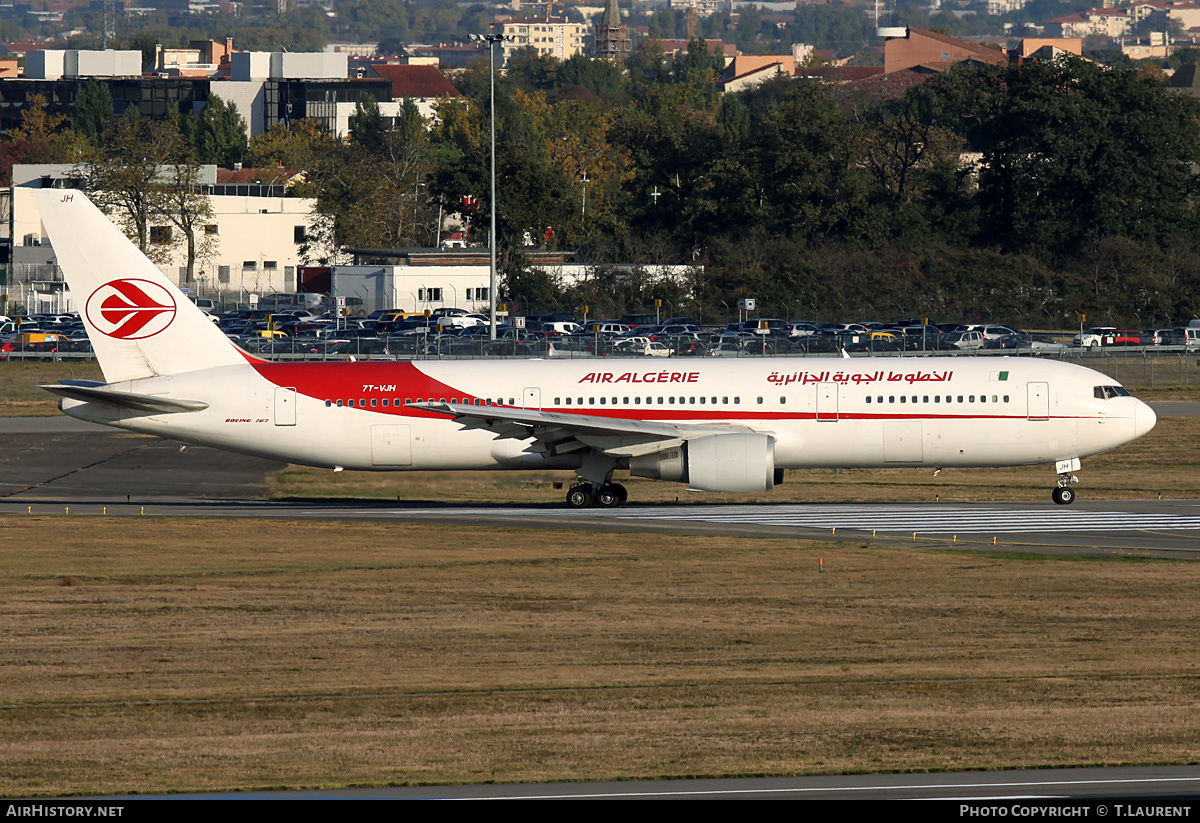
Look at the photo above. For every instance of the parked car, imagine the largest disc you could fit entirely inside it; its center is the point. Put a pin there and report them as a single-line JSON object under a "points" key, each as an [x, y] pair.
{"points": [[1092, 338], [1123, 337], [1187, 337], [1045, 344], [968, 340], [1007, 341]]}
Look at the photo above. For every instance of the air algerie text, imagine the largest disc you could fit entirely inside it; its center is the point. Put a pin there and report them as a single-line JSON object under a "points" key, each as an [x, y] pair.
{"points": [[642, 377]]}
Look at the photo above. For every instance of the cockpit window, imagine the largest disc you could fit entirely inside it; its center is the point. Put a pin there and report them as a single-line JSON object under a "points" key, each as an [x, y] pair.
{"points": [[1109, 392]]}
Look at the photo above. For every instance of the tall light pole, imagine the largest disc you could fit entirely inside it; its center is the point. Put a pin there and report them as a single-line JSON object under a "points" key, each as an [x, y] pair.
{"points": [[492, 40]]}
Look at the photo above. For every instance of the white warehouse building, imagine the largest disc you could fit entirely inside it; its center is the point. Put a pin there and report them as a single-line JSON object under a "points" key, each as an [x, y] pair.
{"points": [[439, 282], [253, 247], [249, 245]]}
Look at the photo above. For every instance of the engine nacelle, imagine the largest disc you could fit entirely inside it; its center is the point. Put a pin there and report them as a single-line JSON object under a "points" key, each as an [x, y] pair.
{"points": [[668, 464], [715, 463]]}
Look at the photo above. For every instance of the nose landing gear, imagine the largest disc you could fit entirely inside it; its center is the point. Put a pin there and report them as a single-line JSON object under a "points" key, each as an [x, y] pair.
{"points": [[1063, 495]]}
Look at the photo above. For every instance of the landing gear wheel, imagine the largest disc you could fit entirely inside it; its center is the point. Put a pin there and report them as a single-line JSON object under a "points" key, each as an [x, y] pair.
{"points": [[579, 497], [1063, 496], [609, 496], [622, 492]]}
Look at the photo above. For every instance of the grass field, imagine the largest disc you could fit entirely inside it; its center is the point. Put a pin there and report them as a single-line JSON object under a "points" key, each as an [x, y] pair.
{"points": [[19, 381], [182, 656], [171, 655]]}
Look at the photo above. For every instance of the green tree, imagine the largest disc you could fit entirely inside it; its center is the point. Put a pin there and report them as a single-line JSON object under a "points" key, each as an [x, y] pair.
{"points": [[220, 134], [93, 116], [803, 154], [647, 65], [372, 190], [127, 182], [1074, 151], [367, 127]]}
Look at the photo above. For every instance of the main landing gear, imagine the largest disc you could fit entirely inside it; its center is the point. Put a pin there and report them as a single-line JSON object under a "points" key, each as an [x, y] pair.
{"points": [[606, 496]]}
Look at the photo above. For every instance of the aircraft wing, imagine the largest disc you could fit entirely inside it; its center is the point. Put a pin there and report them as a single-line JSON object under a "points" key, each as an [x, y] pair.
{"points": [[150, 403], [557, 433]]}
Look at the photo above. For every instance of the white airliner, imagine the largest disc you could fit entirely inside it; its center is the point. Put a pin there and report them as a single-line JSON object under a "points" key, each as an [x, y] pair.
{"points": [[717, 425]]}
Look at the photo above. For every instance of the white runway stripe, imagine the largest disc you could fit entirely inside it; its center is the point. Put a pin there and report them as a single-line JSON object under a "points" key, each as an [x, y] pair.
{"points": [[883, 518]]}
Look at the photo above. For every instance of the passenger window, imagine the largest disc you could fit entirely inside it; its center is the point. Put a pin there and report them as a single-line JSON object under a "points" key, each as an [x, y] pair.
{"points": [[374, 402], [868, 398], [329, 403], [568, 400], [362, 402], [760, 401]]}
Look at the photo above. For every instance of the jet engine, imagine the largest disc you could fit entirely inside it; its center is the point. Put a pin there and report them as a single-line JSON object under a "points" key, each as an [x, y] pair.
{"points": [[714, 463]]}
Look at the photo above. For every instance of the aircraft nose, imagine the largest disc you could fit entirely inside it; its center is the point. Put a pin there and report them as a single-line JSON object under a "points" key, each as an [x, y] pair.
{"points": [[1144, 419]]}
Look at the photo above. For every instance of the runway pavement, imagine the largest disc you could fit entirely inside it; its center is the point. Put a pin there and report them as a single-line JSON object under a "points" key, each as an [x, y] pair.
{"points": [[49, 465], [54, 465], [1022, 793]]}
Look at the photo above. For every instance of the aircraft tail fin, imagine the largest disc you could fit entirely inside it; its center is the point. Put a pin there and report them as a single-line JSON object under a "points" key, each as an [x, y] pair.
{"points": [[139, 323]]}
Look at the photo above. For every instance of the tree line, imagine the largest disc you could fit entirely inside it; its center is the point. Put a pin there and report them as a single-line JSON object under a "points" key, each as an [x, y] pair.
{"points": [[1027, 194]]}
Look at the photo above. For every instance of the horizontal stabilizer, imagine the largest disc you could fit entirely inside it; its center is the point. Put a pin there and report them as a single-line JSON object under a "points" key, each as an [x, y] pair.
{"points": [[126, 400]]}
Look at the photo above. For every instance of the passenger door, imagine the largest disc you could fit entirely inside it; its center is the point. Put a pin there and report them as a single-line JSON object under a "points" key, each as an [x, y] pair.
{"points": [[285, 406], [1038, 396], [827, 402]]}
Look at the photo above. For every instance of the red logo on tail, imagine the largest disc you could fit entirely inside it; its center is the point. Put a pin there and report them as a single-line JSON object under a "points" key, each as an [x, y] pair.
{"points": [[130, 309]]}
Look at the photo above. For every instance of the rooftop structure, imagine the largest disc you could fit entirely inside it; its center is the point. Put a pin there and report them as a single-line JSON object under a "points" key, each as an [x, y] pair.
{"points": [[611, 38]]}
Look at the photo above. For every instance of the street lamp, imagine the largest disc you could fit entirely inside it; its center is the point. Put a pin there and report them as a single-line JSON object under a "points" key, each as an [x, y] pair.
{"points": [[492, 40]]}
